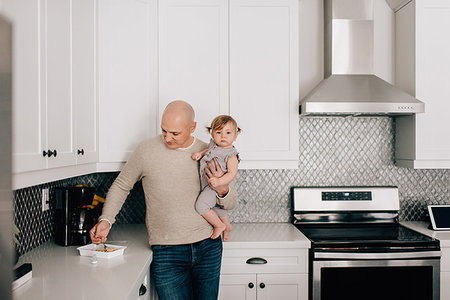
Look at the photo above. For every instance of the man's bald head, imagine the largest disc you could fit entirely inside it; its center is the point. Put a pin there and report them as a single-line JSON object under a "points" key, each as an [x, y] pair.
{"points": [[177, 124], [180, 108]]}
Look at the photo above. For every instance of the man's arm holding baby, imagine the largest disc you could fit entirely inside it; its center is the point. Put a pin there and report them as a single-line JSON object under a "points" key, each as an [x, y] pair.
{"points": [[227, 178], [227, 196]]}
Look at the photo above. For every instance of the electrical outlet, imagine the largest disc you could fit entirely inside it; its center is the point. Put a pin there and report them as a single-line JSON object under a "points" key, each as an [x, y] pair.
{"points": [[45, 199]]}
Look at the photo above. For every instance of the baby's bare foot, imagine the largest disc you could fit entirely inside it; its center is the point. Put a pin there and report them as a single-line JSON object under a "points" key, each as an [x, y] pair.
{"points": [[226, 232], [217, 231]]}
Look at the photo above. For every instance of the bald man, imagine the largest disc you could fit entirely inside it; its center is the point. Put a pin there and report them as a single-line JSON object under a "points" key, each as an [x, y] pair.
{"points": [[186, 261]]}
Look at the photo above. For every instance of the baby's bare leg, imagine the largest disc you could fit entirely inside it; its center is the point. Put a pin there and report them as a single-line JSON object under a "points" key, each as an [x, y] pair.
{"points": [[215, 221], [228, 227]]}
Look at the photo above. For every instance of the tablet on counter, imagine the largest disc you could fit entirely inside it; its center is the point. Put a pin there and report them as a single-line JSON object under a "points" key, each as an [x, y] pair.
{"points": [[440, 216]]}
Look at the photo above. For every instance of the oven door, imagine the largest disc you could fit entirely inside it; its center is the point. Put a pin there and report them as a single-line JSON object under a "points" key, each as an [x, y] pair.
{"points": [[356, 276]]}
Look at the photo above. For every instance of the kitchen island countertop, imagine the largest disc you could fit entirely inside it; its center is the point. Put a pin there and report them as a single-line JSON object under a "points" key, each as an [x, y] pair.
{"points": [[61, 273]]}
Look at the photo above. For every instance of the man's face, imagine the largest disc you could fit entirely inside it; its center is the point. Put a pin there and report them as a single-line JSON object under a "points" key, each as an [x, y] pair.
{"points": [[177, 130]]}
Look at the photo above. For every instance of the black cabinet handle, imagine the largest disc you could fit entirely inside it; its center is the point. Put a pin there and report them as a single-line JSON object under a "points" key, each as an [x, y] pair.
{"points": [[251, 285], [80, 151], [142, 290], [256, 261], [50, 153], [262, 285]]}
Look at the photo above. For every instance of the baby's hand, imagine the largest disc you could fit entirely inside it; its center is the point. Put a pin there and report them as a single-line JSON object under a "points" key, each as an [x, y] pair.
{"points": [[196, 156]]}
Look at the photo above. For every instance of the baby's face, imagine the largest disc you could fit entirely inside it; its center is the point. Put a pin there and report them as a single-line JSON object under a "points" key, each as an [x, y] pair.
{"points": [[225, 137]]}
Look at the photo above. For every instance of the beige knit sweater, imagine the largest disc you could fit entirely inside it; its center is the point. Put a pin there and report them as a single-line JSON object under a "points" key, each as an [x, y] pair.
{"points": [[170, 179]]}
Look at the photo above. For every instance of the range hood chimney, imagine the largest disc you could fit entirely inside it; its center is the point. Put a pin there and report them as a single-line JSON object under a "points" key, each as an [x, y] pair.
{"points": [[350, 86]]}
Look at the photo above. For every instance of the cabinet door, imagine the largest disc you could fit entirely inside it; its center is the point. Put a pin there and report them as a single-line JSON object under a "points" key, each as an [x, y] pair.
{"points": [[29, 122], [57, 39], [432, 74], [127, 114], [264, 81], [84, 80], [422, 69], [193, 54], [445, 287], [282, 286], [238, 287]]}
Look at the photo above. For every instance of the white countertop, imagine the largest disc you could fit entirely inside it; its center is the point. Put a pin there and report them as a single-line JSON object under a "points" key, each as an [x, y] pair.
{"points": [[266, 235], [422, 227], [61, 273]]}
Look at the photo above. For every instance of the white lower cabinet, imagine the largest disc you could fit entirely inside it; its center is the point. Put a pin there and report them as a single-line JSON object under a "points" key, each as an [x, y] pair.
{"points": [[238, 287], [263, 286], [141, 291], [445, 287], [445, 273], [263, 274]]}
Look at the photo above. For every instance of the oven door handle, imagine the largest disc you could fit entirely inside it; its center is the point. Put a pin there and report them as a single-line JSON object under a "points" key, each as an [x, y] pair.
{"points": [[384, 255]]}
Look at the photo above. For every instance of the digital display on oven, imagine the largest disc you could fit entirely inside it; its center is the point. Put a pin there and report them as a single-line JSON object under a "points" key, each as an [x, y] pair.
{"points": [[346, 196]]}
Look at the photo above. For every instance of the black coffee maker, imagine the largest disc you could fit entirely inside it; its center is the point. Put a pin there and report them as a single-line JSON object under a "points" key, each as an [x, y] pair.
{"points": [[75, 215]]}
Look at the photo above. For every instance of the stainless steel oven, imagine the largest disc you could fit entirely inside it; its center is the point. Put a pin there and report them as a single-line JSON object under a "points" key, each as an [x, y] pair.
{"points": [[376, 276], [358, 248]]}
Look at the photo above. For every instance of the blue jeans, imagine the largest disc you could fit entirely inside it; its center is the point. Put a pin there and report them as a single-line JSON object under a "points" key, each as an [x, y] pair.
{"points": [[187, 272]]}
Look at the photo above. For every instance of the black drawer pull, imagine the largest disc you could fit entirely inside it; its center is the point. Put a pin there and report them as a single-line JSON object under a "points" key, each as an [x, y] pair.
{"points": [[142, 290], [256, 261], [80, 151], [262, 285], [251, 285], [50, 153]]}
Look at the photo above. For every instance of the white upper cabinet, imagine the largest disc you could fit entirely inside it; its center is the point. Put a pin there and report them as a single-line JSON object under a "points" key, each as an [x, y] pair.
{"points": [[29, 121], [264, 81], [423, 70], [237, 57], [127, 77], [54, 92], [57, 83], [193, 57], [84, 79]]}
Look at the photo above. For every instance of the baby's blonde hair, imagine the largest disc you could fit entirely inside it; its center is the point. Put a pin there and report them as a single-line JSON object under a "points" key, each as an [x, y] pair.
{"points": [[219, 122]]}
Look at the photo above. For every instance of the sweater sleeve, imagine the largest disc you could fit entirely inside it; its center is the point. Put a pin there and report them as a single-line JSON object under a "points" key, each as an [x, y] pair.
{"points": [[119, 190], [230, 200]]}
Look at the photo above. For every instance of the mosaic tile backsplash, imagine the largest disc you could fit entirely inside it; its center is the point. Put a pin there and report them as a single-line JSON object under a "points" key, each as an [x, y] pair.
{"points": [[334, 151]]}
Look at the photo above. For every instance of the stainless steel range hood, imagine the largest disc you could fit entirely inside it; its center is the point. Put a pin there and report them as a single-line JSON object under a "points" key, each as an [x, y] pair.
{"points": [[350, 86]]}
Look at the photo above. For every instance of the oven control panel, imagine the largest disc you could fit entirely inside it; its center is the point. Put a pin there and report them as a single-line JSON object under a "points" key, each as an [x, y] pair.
{"points": [[346, 196]]}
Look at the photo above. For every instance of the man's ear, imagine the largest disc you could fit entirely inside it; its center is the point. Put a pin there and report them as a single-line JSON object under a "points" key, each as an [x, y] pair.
{"points": [[193, 126]]}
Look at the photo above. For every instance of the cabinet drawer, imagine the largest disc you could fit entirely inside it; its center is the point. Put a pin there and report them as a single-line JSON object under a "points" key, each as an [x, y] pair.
{"points": [[445, 260], [275, 261]]}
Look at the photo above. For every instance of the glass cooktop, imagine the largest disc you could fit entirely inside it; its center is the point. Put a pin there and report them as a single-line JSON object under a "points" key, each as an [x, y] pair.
{"points": [[366, 236]]}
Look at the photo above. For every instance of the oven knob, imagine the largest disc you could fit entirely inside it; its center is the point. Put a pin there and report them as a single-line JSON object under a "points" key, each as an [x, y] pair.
{"points": [[262, 285], [251, 285]]}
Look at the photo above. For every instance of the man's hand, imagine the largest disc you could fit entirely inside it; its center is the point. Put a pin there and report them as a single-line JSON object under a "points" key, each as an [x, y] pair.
{"points": [[212, 174], [99, 232]]}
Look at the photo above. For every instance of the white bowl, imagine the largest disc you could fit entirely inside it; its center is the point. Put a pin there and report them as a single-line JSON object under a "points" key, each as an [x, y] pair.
{"points": [[91, 250]]}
